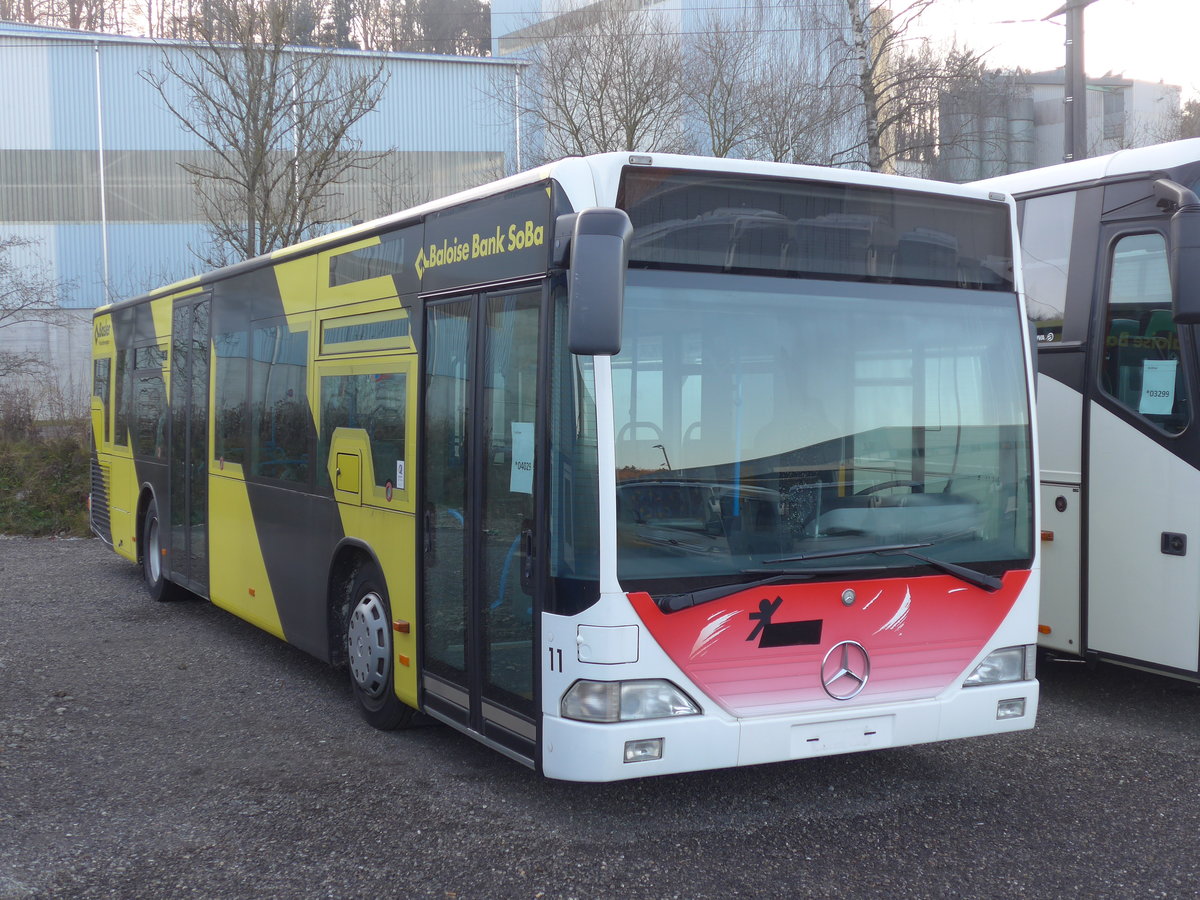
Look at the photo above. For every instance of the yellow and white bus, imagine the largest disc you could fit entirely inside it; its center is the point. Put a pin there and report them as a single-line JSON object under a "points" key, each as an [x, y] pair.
{"points": [[629, 465]]}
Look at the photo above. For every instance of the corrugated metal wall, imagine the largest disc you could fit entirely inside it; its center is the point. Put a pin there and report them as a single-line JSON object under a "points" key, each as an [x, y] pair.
{"points": [[437, 121]]}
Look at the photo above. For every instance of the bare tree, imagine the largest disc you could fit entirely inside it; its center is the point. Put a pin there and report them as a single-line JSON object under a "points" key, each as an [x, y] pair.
{"points": [[1189, 120], [795, 122], [898, 77], [27, 293], [452, 27], [1134, 130], [603, 77], [277, 120], [1180, 124], [803, 111], [952, 101], [720, 68], [81, 15]]}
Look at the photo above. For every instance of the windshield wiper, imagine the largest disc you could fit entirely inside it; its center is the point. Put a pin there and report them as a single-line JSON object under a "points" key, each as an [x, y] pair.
{"points": [[847, 551], [676, 602], [970, 576]]}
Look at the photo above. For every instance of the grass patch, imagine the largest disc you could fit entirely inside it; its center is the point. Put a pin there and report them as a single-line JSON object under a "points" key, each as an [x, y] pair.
{"points": [[44, 485]]}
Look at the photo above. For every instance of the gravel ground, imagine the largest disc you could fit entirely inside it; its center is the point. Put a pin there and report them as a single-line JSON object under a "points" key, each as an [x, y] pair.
{"points": [[171, 750]]}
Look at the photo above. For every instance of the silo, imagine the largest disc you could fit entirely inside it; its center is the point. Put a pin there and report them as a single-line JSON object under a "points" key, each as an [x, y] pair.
{"points": [[956, 118], [993, 137], [1020, 133]]}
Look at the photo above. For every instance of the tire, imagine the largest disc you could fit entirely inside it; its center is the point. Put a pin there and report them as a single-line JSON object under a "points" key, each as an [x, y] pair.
{"points": [[369, 653], [157, 584]]}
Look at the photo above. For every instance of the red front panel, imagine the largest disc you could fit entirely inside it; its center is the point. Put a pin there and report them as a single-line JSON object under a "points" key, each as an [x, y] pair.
{"points": [[760, 652]]}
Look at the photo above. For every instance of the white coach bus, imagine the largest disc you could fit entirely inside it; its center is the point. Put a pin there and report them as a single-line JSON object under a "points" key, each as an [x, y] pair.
{"points": [[1111, 253]]}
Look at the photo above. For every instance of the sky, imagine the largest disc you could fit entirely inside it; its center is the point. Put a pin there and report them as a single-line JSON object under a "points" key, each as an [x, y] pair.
{"points": [[1147, 40]]}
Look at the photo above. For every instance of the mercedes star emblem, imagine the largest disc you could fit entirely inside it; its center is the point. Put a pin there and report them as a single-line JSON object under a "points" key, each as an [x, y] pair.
{"points": [[845, 671]]}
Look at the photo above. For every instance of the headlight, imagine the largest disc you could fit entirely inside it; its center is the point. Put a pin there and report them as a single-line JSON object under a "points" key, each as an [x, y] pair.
{"points": [[624, 701], [1007, 664]]}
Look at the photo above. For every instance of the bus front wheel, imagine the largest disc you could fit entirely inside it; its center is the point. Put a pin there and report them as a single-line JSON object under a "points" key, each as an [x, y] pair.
{"points": [[369, 653]]}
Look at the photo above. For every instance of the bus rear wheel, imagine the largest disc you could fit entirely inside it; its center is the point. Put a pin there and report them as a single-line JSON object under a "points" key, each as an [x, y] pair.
{"points": [[152, 554], [369, 653]]}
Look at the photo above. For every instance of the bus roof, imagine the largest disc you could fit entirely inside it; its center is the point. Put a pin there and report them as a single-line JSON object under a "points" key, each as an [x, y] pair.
{"points": [[587, 181], [1085, 171]]}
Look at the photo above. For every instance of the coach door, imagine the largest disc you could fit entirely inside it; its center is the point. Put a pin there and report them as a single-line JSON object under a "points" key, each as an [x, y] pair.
{"points": [[189, 443], [1143, 523], [480, 511]]}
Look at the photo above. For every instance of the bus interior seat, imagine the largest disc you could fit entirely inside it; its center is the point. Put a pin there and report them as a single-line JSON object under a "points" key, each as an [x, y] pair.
{"points": [[689, 447], [836, 245], [693, 242], [1161, 323], [982, 274], [1110, 373], [640, 445], [927, 255], [759, 243]]}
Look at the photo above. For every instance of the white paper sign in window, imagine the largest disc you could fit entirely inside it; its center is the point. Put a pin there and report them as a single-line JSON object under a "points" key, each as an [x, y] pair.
{"points": [[1158, 387], [521, 480]]}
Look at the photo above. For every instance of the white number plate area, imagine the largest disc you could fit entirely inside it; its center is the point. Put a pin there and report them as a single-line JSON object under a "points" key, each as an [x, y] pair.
{"points": [[823, 738]]}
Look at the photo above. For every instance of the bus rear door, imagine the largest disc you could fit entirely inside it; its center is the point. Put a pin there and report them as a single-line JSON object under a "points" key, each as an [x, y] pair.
{"points": [[188, 445]]}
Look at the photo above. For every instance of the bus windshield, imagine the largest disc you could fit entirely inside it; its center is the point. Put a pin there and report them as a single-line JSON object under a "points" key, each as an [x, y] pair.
{"points": [[760, 418]]}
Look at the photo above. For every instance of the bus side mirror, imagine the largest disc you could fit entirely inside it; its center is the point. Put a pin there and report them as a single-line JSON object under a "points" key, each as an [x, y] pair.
{"points": [[1184, 261], [596, 289]]}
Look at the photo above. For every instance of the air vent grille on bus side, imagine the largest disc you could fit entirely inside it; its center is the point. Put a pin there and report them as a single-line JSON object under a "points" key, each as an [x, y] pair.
{"points": [[100, 521]]}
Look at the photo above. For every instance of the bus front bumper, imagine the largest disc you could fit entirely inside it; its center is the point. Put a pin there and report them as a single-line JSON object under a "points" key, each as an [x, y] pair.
{"points": [[584, 751]]}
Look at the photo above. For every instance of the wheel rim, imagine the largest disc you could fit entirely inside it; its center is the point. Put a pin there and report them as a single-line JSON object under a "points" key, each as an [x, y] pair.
{"points": [[153, 553], [369, 644]]}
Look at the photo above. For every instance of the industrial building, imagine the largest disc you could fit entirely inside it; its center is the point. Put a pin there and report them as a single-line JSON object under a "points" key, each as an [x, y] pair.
{"points": [[90, 156], [91, 177], [1013, 122]]}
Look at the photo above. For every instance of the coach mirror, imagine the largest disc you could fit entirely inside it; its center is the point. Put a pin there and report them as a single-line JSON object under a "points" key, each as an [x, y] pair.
{"points": [[599, 253], [1185, 248]]}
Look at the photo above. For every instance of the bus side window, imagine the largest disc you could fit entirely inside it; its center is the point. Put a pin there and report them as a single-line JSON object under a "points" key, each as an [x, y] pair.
{"points": [[100, 385], [378, 404], [281, 421], [1046, 236], [123, 398], [232, 362], [149, 417], [1142, 367]]}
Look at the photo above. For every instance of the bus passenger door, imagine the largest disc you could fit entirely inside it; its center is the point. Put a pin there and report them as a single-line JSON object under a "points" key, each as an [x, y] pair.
{"points": [[188, 445], [480, 514], [1143, 527]]}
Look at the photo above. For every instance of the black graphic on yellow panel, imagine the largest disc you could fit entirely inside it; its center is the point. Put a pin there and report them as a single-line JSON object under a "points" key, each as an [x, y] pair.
{"points": [[264, 426]]}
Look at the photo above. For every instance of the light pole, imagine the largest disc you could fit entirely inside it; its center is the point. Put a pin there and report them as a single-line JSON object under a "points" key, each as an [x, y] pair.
{"points": [[1074, 82]]}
